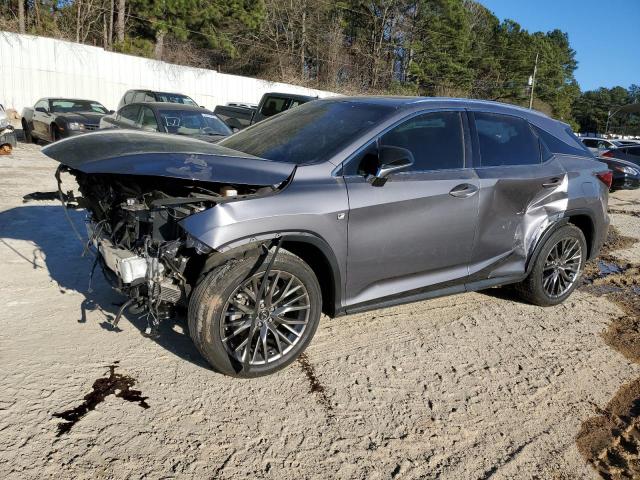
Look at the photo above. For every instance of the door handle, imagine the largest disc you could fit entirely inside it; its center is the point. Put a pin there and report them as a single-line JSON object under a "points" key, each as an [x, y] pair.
{"points": [[553, 182], [464, 190]]}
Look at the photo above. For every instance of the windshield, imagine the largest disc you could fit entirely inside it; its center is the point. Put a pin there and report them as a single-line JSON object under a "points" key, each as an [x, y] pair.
{"points": [[63, 106], [310, 133], [175, 98], [188, 122]]}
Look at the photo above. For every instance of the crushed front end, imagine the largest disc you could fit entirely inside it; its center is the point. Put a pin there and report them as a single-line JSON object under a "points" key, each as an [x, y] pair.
{"points": [[134, 220]]}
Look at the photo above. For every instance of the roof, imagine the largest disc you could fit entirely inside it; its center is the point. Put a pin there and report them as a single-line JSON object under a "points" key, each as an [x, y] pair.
{"points": [[406, 102], [171, 106], [295, 96], [69, 99], [157, 91]]}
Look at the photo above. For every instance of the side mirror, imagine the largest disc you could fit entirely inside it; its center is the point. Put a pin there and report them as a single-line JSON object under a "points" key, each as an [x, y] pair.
{"points": [[111, 112], [41, 110], [391, 160]]}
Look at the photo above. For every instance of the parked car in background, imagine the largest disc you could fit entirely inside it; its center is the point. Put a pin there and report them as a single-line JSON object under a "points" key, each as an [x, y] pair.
{"points": [[178, 119], [141, 96], [338, 206], [7, 134], [238, 116], [54, 118], [630, 153], [599, 145], [626, 175]]}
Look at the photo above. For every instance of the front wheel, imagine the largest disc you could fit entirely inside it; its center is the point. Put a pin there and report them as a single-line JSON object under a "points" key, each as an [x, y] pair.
{"points": [[28, 138], [245, 334], [557, 268]]}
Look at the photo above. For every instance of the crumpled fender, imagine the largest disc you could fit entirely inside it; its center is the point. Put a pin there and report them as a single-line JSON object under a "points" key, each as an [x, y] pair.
{"points": [[131, 152]]}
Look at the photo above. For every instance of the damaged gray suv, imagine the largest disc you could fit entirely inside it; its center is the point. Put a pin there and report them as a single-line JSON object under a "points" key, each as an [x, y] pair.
{"points": [[338, 206]]}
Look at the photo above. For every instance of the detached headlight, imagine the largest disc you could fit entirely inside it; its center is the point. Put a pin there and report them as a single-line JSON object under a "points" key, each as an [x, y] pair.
{"points": [[75, 126], [197, 245], [627, 170]]}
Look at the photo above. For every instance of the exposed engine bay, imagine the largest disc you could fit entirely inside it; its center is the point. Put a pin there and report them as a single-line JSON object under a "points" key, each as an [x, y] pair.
{"points": [[133, 223]]}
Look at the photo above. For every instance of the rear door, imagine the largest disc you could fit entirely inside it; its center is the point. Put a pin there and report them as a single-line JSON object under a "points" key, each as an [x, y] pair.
{"points": [[415, 233], [519, 189]]}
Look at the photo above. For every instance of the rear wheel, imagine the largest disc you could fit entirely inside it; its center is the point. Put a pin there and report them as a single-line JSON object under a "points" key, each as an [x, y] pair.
{"points": [[243, 334], [557, 268]]}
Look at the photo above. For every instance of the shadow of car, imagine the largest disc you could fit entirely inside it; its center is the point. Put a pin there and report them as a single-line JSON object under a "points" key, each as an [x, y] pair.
{"points": [[46, 227]]}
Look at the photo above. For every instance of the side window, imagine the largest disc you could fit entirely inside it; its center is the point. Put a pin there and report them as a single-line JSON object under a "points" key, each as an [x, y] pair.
{"points": [[139, 97], [148, 97], [128, 96], [364, 163], [603, 145], [129, 114], [148, 120], [506, 140], [590, 143], [42, 104], [273, 105], [435, 139]]}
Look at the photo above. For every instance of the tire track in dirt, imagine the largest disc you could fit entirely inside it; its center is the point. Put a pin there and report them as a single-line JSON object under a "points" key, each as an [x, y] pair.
{"points": [[610, 442]]}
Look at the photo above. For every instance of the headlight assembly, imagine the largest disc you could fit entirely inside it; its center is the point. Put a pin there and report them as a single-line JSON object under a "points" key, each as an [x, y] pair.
{"points": [[75, 126], [197, 245]]}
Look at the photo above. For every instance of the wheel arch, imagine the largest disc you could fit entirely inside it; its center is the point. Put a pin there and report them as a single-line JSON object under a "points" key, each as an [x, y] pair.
{"points": [[581, 219], [313, 250], [584, 221]]}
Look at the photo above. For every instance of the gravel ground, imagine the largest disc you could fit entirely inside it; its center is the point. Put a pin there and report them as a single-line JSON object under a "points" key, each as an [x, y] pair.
{"points": [[470, 386]]}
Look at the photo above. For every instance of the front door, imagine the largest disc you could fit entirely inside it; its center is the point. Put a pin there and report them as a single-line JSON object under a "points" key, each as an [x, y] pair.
{"points": [[415, 232]]}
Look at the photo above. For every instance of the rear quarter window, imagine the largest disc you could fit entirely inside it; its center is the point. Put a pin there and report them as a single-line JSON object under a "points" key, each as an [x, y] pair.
{"points": [[556, 145]]}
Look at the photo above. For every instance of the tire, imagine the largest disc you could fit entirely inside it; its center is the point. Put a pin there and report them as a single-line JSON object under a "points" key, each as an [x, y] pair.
{"points": [[55, 133], [28, 138], [535, 289], [213, 304]]}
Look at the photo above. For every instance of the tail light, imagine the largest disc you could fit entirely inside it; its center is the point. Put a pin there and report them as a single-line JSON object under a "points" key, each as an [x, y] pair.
{"points": [[606, 177], [608, 154]]}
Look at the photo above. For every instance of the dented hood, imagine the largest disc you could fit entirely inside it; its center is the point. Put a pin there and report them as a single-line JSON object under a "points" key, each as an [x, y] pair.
{"points": [[155, 154]]}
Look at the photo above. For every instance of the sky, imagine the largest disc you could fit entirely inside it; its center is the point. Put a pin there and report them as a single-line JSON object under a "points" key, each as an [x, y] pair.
{"points": [[605, 35]]}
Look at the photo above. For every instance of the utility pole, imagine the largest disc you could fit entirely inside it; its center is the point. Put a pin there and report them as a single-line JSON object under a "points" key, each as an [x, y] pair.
{"points": [[533, 81]]}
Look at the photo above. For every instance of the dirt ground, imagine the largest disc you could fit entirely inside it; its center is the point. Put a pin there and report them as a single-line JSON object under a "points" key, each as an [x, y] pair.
{"points": [[472, 386]]}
